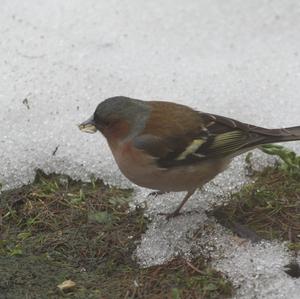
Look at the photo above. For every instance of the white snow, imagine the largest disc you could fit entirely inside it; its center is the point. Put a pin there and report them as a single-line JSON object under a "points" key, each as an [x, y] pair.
{"points": [[236, 58]]}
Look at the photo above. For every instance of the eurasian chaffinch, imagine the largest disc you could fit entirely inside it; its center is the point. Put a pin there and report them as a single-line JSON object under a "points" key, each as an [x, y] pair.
{"points": [[171, 147]]}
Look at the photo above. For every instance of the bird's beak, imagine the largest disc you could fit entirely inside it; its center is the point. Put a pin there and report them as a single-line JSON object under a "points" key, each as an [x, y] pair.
{"points": [[88, 126]]}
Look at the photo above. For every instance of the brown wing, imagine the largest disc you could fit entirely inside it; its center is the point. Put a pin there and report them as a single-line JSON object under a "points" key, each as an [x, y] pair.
{"points": [[185, 136]]}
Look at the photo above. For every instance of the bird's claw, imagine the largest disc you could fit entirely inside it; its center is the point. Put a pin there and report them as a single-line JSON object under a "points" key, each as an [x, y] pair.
{"points": [[156, 193], [177, 213], [170, 215]]}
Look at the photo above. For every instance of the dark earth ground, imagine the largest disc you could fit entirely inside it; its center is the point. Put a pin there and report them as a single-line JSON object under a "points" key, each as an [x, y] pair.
{"points": [[58, 229]]}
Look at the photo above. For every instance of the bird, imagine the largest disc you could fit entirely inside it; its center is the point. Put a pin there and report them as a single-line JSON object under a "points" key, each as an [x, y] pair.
{"points": [[170, 147]]}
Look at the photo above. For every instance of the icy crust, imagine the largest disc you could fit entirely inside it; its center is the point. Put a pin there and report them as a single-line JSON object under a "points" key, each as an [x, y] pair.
{"points": [[240, 59], [256, 270], [59, 59]]}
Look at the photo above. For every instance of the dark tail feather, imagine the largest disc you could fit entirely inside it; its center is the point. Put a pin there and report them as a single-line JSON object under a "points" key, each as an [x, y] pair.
{"points": [[283, 135], [264, 136], [286, 134]]}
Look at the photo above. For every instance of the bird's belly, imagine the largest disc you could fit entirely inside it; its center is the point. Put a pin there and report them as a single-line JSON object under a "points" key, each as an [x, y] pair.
{"points": [[142, 170]]}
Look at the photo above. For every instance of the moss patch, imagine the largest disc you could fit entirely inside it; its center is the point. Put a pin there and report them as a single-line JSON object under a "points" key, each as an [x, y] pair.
{"points": [[269, 207], [58, 229]]}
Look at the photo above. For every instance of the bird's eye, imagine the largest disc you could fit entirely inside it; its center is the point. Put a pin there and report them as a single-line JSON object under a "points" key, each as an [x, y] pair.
{"points": [[100, 122], [103, 123]]}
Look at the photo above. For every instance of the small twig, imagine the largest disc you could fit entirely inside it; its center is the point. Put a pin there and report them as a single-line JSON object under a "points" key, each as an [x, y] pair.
{"points": [[195, 268], [55, 150]]}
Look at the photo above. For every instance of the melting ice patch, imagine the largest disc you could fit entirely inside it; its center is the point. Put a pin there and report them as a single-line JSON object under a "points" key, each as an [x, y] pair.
{"points": [[235, 58]]}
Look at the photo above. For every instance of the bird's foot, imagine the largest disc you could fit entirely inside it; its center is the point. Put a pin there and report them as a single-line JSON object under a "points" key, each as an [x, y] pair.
{"points": [[170, 215], [156, 193], [177, 213]]}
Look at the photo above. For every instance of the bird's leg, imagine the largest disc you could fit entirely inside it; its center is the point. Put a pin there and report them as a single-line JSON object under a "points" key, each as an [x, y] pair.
{"points": [[156, 193], [177, 211]]}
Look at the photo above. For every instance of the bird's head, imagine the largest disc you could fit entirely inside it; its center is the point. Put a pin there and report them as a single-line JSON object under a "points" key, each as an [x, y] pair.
{"points": [[118, 117]]}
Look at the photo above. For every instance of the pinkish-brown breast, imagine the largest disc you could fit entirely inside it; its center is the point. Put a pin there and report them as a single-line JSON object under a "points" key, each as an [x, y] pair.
{"points": [[142, 170]]}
